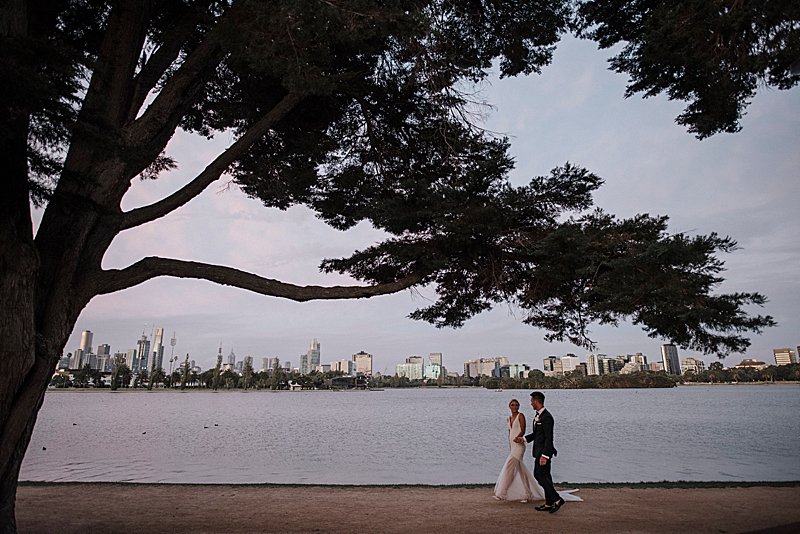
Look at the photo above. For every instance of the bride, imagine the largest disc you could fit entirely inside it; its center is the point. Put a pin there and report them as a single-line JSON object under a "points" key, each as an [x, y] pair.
{"points": [[516, 483]]}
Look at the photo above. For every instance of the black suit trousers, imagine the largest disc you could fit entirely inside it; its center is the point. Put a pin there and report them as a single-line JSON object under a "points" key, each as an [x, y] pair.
{"points": [[542, 475]]}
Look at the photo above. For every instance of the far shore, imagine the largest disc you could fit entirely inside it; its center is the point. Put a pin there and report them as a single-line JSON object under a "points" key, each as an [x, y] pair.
{"points": [[240, 390], [176, 508]]}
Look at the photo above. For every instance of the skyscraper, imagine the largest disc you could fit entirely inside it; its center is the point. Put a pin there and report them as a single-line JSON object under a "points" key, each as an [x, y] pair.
{"points": [[310, 360], [104, 357], [158, 350], [435, 358], [669, 355], [142, 353], [130, 360], [86, 341]]}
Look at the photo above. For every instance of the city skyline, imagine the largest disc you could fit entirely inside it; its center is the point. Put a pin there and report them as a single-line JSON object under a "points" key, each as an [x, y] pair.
{"points": [[316, 358], [730, 184]]}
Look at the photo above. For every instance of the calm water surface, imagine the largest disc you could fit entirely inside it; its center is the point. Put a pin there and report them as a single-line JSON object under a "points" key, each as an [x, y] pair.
{"points": [[430, 436]]}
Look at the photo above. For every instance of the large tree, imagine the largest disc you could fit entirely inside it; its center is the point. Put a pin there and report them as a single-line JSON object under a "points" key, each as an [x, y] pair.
{"points": [[358, 109]]}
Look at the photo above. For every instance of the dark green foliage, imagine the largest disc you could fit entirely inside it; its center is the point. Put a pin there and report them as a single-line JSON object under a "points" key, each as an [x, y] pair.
{"points": [[712, 53], [379, 131]]}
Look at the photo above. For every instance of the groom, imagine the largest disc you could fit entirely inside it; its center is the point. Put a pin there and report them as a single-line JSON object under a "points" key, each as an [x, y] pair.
{"points": [[543, 452]]}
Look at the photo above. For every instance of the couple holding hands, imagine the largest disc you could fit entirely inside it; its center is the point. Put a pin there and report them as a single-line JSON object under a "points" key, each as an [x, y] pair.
{"points": [[515, 482]]}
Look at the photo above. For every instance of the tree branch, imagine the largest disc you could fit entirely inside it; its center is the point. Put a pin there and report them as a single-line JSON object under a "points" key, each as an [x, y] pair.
{"points": [[163, 57], [213, 171], [157, 124], [109, 92], [109, 281]]}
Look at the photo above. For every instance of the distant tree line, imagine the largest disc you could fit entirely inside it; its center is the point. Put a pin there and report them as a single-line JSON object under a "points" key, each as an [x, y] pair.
{"points": [[185, 377], [716, 374]]}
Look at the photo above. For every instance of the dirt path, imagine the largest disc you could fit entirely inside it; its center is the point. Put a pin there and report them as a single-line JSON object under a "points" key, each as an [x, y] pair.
{"points": [[90, 508]]}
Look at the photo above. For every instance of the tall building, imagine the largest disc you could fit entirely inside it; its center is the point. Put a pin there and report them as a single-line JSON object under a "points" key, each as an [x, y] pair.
{"points": [[86, 341], [569, 363], [76, 362], [785, 356], [157, 359], [104, 357], [591, 365], [639, 358], [363, 363], [142, 353], [435, 358], [669, 355], [130, 360], [232, 359], [310, 360]]}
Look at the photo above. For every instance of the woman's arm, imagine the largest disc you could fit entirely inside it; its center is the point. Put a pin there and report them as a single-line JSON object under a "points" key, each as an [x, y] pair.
{"points": [[521, 418]]}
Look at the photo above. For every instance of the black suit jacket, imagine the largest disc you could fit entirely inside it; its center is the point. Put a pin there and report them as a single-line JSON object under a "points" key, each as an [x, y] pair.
{"points": [[542, 436]]}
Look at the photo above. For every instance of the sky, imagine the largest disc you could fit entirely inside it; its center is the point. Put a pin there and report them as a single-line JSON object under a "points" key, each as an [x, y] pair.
{"points": [[744, 185]]}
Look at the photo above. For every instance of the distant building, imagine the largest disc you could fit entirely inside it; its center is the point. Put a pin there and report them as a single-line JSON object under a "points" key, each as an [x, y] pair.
{"points": [[416, 359], [552, 366], [76, 362], [695, 365], [591, 365], [86, 341], [363, 363], [142, 353], [104, 358], [484, 366], [435, 358], [751, 364], [784, 356], [569, 362], [345, 366], [131, 360], [656, 366], [631, 367], [157, 358], [432, 371], [412, 371], [515, 370], [310, 359], [669, 356], [639, 358]]}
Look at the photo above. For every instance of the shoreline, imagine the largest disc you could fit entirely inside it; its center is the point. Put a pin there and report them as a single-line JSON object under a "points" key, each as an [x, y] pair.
{"points": [[663, 484], [400, 509], [254, 390]]}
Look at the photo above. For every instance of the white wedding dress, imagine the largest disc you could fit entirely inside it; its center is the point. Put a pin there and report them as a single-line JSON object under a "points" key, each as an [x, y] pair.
{"points": [[515, 482]]}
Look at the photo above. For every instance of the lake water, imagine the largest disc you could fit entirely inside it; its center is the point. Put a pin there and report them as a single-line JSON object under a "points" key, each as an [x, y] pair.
{"points": [[420, 436]]}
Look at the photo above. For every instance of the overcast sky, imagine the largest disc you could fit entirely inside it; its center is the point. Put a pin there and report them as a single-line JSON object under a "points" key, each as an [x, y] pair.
{"points": [[744, 185]]}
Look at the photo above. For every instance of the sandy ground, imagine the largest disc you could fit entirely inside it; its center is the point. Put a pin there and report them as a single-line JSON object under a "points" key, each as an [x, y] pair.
{"points": [[90, 508]]}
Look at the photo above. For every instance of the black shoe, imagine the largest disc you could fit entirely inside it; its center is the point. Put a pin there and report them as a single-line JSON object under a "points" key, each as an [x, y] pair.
{"points": [[544, 508], [556, 505]]}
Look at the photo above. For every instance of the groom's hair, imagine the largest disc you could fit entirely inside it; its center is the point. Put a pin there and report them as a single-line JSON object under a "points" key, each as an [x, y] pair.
{"points": [[538, 395]]}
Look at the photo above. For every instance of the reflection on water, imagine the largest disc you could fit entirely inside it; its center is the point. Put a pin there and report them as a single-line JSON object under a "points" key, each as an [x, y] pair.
{"points": [[432, 436]]}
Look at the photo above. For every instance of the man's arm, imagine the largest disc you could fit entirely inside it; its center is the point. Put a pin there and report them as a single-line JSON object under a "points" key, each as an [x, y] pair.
{"points": [[547, 427]]}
